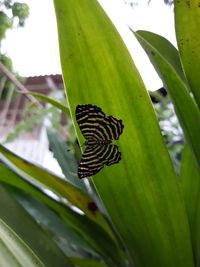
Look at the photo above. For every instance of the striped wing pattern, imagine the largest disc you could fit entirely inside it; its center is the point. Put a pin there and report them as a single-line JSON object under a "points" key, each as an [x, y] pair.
{"points": [[98, 130], [95, 125]]}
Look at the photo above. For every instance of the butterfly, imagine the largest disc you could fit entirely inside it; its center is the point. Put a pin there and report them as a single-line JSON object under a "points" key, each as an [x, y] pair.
{"points": [[99, 131]]}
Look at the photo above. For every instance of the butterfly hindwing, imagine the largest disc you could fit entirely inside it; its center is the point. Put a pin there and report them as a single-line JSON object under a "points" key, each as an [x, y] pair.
{"points": [[89, 164], [113, 155], [95, 157]]}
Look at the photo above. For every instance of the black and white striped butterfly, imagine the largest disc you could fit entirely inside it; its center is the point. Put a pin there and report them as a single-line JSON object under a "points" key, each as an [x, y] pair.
{"points": [[99, 131]]}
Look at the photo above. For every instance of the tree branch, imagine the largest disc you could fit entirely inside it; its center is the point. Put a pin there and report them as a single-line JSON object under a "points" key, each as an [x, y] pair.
{"points": [[20, 86]]}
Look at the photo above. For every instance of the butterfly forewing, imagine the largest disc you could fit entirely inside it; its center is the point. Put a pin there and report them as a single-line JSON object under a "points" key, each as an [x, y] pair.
{"points": [[98, 130], [94, 124]]}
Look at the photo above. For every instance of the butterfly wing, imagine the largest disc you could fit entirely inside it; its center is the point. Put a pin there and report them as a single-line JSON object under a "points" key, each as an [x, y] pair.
{"points": [[114, 127], [89, 164], [95, 125], [113, 155], [95, 157]]}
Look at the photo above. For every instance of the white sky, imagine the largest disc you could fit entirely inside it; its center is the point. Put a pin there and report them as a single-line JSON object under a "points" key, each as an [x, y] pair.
{"points": [[34, 48]]}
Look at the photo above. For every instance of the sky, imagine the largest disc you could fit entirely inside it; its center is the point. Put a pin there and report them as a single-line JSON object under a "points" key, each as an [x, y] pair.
{"points": [[34, 48]]}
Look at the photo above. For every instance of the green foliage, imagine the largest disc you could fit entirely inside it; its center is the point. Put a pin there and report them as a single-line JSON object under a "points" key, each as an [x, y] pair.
{"points": [[184, 104], [170, 127], [20, 11], [65, 157], [61, 196], [5, 24], [10, 11], [12, 247], [151, 214], [141, 194], [6, 61]]}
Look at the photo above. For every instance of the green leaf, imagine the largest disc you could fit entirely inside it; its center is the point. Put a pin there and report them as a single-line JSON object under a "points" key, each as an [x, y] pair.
{"points": [[41, 179], [13, 251], [65, 158], [88, 226], [190, 187], [13, 215], [140, 193], [52, 101], [165, 59], [67, 239], [187, 23]]}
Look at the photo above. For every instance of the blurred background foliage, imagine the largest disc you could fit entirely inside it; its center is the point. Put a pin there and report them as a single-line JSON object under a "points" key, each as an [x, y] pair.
{"points": [[13, 14], [169, 124]]}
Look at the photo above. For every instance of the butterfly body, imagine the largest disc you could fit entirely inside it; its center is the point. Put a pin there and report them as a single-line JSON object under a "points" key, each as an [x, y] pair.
{"points": [[99, 132]]}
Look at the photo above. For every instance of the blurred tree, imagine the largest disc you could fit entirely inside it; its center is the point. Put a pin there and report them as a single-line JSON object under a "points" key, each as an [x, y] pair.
{"points": [[12, 14]]}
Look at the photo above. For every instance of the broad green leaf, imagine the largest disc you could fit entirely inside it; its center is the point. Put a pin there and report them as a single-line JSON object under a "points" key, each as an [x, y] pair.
{"points": [[37, 239], [165, 59], [190, 186], [13, 251], [187, 24], [104, 245], [140, 193], [69, 241], [40, 178]]}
